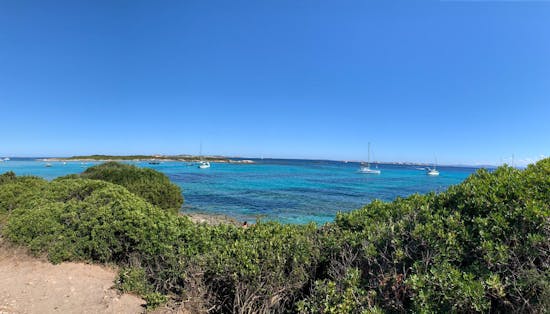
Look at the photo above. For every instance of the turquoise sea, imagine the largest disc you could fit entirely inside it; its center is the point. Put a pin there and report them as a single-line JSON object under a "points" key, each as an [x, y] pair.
{"points": [[289, 191]]}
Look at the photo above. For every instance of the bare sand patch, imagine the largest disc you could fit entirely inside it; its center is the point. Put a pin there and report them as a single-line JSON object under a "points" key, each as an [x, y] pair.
{"points": [[33, 285]]}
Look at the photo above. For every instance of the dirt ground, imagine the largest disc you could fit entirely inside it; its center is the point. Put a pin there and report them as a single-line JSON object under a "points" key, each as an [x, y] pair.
{"points": [[32, 285]]}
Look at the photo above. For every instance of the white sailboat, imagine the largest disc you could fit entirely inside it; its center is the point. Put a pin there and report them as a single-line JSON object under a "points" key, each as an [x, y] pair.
{"points": [[432, 171], [203, 164], [367, 169]]}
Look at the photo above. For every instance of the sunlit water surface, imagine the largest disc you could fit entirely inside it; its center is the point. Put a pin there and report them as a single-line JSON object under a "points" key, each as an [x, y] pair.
{"points": [[289, 191]]}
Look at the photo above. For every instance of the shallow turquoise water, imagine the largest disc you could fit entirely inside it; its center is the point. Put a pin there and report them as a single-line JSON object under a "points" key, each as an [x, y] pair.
{"points": [[290, 191]]}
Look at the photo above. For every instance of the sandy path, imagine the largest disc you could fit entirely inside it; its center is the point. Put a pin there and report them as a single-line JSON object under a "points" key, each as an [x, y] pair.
{"points": [[29, 285]]}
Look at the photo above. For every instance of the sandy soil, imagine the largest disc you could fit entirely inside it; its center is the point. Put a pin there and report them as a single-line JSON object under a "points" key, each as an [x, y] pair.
{"points": [[31, 285]]}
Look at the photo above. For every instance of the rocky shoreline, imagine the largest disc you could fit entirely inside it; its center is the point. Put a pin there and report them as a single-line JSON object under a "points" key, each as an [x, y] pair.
{"points": [[211, 219]]}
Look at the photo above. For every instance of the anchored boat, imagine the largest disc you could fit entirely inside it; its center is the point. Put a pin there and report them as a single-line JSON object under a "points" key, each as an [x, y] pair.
{"points": [[203, 164], [366, 168], [432, 171]]}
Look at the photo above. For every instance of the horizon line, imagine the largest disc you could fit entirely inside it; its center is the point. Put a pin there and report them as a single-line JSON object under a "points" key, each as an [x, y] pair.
{"points": [[420, 163]]}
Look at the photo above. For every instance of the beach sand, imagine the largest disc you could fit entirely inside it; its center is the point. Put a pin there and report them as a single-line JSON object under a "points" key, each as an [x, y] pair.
{"points": [[33, 285]]}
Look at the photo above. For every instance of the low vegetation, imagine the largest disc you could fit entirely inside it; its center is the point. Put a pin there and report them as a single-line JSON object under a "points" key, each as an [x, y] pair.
{"points": [[149, 184], [146, 157], [480, 246]]}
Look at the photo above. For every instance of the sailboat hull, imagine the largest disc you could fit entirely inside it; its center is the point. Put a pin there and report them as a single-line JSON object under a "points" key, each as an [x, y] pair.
{"points": [[369, 170]]}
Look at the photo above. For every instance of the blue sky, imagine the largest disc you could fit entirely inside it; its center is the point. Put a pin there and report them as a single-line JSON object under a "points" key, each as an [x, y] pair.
{"points": [[468, 81]]}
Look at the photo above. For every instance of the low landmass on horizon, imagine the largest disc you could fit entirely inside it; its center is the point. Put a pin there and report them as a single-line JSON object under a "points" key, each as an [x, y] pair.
{"points": [[241, 160], [184, 158]]}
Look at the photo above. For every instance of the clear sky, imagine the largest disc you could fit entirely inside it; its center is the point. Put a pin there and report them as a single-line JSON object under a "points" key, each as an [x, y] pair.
{"points": [[468, 81]]}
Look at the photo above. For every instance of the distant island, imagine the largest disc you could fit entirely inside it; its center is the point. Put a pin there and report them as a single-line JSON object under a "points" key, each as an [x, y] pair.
{"points": [[183, 158]]}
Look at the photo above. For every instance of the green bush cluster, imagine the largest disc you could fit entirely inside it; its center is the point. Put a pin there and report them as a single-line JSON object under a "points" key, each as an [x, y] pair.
{"points": [[134, 280], [149, 184], [16, 191], [262, 268], [480, 246], [81, 219]]}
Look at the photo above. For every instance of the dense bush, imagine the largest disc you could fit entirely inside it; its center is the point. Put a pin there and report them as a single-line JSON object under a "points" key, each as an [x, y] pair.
{"points": [[263, 269], [343, 296], [75, 219], [152, 185], [16, 190], [480, 246], [134, 280]]}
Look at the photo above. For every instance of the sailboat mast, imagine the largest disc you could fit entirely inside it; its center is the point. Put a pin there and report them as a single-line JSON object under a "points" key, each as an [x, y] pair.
{"points": [[368, 160]]}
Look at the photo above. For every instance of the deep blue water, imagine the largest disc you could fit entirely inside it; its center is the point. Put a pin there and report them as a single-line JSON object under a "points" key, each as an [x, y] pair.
{"points": [[290, 191]]}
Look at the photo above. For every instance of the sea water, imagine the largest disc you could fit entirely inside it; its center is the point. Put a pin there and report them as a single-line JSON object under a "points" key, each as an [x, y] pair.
{"points": [[289, 191]]}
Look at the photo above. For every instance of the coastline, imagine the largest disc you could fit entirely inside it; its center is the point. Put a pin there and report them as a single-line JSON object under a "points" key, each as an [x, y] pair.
{"points": [[239, 160], [250, 161], [186, 159]]}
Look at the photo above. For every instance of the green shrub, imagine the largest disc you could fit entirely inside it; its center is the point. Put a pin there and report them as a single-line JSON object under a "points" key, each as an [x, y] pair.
{"points": [[17, 191], [154, 300], [90, 219], [149, 184], [7, 177], [447, 289], [264, 269], [481, 245], [133, 280], [343, 296]]}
